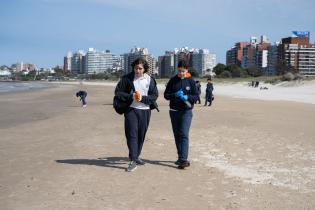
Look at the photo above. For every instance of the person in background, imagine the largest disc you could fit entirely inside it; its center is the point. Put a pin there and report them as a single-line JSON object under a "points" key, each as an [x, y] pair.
{"points": [[198, 87], [82, 94], [209, 90], [182, 93]]}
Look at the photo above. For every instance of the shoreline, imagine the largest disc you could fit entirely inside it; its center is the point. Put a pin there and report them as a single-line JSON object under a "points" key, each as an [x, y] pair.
{"points": [[20, 86], [300, 92]]}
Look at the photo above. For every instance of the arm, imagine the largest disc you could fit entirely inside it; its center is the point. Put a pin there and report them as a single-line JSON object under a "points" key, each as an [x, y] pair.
{"points": [[120, 91], [168, 95], [153, 94]]}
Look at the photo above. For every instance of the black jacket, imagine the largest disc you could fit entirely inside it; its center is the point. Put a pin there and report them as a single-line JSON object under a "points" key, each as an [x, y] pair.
{"points": [[188, 86], [125, 89], [209, 88], [198, 87], [81, 94]]}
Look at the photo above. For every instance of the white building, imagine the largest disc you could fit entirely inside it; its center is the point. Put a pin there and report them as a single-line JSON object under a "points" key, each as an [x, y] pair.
{"points": [[67, 62], [264, 39], [101, 61], [5, 73], [306, 60], [203, 61]]}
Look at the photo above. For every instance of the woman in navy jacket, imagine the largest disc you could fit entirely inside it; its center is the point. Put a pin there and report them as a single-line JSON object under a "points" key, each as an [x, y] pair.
{"points": [[182, 94], [139, 91]]}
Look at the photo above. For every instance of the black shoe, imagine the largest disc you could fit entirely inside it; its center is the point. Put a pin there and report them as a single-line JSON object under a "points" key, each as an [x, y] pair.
{"points": [[184, 164], [177, 162], [140, 162]]}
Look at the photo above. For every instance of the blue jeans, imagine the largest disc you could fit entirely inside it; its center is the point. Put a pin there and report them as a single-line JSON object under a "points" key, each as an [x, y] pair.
{"points": [[181, 121]]}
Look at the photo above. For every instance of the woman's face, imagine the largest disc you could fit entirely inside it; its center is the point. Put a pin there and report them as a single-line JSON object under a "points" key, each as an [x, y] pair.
{"points": [[139, 70], [182, 72]]}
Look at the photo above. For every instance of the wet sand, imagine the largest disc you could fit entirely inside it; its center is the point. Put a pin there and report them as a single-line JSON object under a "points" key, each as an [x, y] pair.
{"points": [[245, 154]]}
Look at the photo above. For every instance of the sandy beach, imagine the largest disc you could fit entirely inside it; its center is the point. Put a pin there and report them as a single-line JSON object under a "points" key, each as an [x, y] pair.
{"points": [[245, 154]]}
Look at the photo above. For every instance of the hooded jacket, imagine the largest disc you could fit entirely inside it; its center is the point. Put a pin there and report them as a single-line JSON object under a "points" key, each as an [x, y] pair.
{"points": [[125, 89], [187, 85]]}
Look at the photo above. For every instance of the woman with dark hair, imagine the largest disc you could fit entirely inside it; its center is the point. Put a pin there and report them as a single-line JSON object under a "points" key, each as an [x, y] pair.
{"points": [[182, 93], [139, 91]]}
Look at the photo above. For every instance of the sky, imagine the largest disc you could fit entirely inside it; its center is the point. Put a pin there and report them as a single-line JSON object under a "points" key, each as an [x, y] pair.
{"points": [[43, 31]]}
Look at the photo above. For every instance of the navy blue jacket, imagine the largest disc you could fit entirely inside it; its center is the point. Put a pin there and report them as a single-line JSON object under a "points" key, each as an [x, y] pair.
{"points": [[209, 88], [198, 87], [188, 86], [125, 89], [81, 94]]}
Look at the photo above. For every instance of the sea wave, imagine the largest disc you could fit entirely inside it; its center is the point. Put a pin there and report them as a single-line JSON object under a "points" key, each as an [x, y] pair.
{"points": [[20, 86]]}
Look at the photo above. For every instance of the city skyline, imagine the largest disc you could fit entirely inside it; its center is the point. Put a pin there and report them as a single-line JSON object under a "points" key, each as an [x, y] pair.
{"points": [[41, 32]]}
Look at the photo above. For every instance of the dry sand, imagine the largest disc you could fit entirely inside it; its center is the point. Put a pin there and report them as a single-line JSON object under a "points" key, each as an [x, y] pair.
{"points": [[245, 154]]}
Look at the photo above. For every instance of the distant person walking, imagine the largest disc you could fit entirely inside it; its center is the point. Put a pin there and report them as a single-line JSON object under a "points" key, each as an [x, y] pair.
{"points": [[140, 92], [198, 88], [209, 90], [182, 93], [82, 94]]}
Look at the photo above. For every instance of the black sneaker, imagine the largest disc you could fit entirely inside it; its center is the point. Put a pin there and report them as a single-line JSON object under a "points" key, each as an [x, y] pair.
{"points": [[132, 166], [184, 164], [177, 162], [140, 162]]}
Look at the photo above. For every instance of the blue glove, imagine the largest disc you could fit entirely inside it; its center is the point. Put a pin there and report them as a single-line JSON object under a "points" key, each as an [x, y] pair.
{"points": [[184, 97], [179, 93]]}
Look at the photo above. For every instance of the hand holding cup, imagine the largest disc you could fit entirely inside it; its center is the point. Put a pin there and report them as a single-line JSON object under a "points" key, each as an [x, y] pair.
{"points": [[137, 96]]}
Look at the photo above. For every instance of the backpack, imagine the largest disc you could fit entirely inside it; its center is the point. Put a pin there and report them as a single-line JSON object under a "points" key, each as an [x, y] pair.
{"points": [[119, 105]]}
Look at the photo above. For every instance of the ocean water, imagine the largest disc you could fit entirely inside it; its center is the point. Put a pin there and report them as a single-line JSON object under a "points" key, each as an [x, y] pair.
{"points": [[20, 86]]}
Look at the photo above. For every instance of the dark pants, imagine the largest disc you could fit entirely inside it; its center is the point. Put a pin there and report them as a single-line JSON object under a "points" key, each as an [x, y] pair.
{"points": [[181, 121], [136, 126], [198, 100], [208, 98], [83, 100]]}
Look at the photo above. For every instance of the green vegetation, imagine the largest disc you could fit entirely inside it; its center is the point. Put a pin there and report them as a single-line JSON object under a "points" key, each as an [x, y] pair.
{"points": [[234, 71]]}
